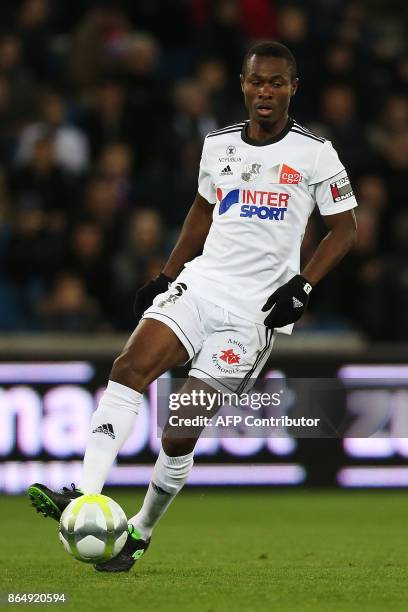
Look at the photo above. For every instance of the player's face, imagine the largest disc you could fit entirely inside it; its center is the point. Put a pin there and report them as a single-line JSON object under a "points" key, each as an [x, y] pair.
{"points": [[268, 86]]}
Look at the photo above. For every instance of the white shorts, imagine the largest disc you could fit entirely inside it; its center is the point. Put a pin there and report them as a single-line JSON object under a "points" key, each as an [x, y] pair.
{"points": [[227, 351]]}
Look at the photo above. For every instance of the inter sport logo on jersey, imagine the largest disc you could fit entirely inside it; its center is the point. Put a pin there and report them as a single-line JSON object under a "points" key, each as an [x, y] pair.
{"points": [[270, 205]]}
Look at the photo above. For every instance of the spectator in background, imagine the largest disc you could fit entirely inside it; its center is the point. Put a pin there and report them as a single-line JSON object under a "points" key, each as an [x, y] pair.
{"points": [[139, 65], [140, 259], [102, 206], [97, 44], [185, 188], [373, 195], [341, 66], [400, 75], [389, 276], [193, 118], [107, 119], [34, 31], [71, 146], [353, 28], [340, 123], [212, 77], [144, 246], [393, 167], [69, 307], [172, 177], [18, 76], [223, 35], [293, 31], [34, 254], [392, 119], [88, 258], [8, 120], [360, 272], [147, 91], [115, 164], [40, 182]]}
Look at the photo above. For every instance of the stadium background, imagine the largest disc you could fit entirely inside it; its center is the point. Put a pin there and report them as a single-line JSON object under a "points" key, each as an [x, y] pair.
{"points": [[103, 110]]}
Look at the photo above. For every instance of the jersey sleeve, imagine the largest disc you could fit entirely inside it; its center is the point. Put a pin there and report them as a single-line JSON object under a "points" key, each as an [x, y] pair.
{"points": [[206, 187], [330, 186]]}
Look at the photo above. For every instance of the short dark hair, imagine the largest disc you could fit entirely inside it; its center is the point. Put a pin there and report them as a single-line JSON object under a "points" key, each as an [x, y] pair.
{"points": [[271, 49]]}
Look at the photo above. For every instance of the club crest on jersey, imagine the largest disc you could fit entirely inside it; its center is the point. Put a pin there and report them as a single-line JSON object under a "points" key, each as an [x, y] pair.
{"points": [[270, 205], [282, 174], [251, 171]]}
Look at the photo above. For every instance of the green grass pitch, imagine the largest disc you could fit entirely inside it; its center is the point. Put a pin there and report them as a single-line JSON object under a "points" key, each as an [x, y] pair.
{"points": [[229, 550]]}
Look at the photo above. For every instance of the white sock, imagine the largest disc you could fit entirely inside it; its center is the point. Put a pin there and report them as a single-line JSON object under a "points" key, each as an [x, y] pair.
{"points": [[111, 425], [169, 476]]}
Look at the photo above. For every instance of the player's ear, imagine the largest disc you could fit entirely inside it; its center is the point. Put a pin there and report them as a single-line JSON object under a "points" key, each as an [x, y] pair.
{"points": [[295, 85], [242, 78]]}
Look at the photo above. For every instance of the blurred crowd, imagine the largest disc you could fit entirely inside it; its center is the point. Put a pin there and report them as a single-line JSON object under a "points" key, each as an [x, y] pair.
{"points": [[103, 109]]}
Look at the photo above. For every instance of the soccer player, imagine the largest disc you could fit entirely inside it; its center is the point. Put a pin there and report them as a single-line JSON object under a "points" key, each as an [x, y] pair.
{"points": [[259, 181]]}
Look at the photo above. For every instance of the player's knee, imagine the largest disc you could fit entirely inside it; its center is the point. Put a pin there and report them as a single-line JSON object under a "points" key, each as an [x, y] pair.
{"points": [[130, 372], [176, 447]]}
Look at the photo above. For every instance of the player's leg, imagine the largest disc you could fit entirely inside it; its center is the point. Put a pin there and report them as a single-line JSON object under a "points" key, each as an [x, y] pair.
{"points": [[170, 473], [173, 464], [152, 349], [230, 358]]}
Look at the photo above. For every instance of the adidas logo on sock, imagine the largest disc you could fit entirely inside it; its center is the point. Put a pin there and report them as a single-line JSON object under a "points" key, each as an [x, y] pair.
{"points": [[297, 303], [105, 429], [227, 170]]}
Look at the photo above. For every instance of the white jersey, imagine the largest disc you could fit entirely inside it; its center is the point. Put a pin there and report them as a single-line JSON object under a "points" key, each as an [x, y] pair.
{"points": [[263, 195]]}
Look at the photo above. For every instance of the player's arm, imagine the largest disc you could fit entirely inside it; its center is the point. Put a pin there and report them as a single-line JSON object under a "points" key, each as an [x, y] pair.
{"points": [[335, 199], [289, 301], [192, 237], [340, 238], [190, 243]]}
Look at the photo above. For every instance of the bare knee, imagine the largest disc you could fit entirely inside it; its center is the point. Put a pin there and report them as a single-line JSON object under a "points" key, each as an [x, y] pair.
{"points": [[130, 372], [176, 447]]}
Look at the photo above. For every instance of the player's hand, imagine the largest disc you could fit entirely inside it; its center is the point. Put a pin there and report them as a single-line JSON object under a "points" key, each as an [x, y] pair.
{"points": [[288, 302], [146, 294]]}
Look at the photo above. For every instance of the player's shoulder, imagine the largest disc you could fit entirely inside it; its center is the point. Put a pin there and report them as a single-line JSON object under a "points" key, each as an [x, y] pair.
{"points": [[305, 135], [226, 130]]}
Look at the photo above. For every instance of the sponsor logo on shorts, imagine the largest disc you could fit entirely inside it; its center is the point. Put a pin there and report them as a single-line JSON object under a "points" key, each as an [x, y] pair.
{"points": [[175, 294], [341, 189]]}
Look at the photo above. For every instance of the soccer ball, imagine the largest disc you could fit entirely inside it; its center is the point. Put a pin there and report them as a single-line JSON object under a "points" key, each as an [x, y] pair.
{"points": [[93, 528]]}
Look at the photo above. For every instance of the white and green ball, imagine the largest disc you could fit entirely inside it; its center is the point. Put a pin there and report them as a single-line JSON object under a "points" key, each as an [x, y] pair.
{"points": [[93, 528]]}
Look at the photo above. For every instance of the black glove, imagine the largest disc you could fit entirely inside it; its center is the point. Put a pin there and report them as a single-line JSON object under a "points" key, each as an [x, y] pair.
{"points": [[146, 294], [288, 302]]}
